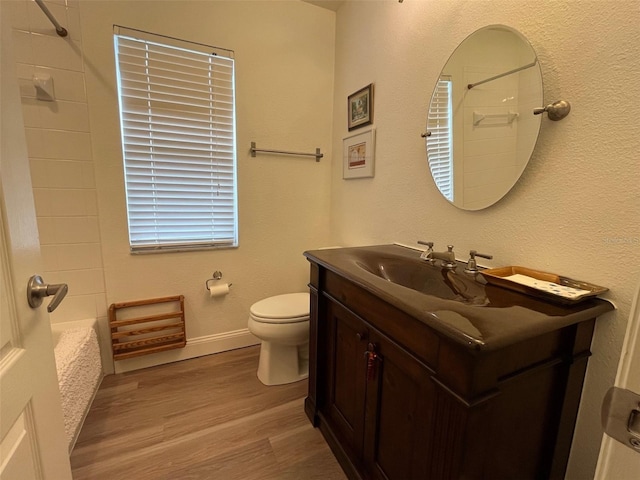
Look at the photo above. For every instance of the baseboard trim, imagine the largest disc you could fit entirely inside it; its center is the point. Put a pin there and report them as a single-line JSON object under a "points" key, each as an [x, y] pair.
{"points": [[196, 347]]}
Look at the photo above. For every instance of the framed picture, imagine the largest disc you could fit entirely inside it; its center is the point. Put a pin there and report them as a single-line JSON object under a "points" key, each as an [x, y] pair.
{"points": [[360, 107], [358, 155]]}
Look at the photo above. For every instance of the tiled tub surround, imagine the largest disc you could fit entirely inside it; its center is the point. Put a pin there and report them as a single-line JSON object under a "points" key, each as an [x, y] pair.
{"points": [[59, 145]]}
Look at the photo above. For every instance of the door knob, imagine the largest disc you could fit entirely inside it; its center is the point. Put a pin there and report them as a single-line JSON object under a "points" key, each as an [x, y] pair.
{"points": [[37, 290], [620, 416]]}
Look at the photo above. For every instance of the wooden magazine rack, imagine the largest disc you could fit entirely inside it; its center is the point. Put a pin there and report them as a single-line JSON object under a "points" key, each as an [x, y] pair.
{"points": [[155, 331]]}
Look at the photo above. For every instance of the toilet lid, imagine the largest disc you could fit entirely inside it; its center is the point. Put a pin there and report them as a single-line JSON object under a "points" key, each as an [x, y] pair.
{"points": [[287, 308]]}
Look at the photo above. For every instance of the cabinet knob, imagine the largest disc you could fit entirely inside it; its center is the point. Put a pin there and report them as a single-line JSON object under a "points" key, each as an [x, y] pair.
{"points": [[361, 336]]}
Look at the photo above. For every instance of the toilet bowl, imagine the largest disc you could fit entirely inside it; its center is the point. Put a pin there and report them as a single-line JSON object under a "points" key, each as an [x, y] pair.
{"points": [[282, 325]]}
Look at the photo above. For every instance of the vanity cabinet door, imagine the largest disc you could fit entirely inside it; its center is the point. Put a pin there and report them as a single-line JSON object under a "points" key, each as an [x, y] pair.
{"points": [[400, 401], [346, 378], [379, 399]]}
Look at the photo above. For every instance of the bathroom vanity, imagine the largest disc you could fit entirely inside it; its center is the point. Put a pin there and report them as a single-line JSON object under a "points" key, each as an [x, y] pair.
{"points": [[420, 372]]}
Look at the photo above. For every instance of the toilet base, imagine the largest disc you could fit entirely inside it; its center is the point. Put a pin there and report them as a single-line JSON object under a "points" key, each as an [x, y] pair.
{"points": [[281, 364]]}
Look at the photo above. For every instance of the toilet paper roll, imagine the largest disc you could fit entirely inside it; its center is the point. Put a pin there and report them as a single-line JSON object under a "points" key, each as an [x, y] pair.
{"points": [[219, 290]]}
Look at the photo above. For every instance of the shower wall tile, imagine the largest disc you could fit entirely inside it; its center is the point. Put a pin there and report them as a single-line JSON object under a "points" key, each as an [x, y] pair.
{"points": [[60, 155], [39, 176], [70, 230], [67, 85], [31, 112], [46, 230], [59, 52], [68, 203], [64, 174], [35, 145], [73, 22], [25, 72], [101, 305], [22, 47], [79, 256], [18, 14], [72, 202], [42, 200], [67, 145], [82, 282], [64, 116], [49, 258]]}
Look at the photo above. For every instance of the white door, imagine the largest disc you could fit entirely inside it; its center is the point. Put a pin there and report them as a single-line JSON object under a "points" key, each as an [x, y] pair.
{"points": [[33, 444], [620, 460]]}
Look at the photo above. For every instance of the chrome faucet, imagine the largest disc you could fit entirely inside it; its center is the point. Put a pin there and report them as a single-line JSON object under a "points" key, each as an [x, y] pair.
{"points": [[448, 258]]}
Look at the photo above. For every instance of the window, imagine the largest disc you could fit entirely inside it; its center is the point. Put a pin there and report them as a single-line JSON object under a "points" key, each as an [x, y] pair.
{"points": [[177, 117], [439, 143]]}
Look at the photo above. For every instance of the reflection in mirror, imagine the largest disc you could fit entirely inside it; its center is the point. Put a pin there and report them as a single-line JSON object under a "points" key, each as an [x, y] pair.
{"points": [[481, 129]]}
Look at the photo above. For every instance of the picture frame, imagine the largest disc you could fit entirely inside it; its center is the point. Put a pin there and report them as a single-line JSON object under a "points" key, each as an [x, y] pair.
{"points": [[358, 155], [360, 108]]}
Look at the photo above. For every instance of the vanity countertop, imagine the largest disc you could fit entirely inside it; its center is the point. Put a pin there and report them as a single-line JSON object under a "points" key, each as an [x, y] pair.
{"points": [[501, 317]]}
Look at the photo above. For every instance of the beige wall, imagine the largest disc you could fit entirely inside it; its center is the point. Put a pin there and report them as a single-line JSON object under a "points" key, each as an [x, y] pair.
{"points": [[576, 209], [284, 77], [284, 55]]}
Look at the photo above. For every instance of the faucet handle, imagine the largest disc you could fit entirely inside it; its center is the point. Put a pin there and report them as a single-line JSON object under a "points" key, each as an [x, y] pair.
{"points": [[472, 266], [426, 255], [473, 254]]}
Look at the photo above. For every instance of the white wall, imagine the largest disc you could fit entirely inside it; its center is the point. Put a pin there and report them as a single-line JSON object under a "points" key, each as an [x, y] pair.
{"points": [[576, 209], [284, 52]]}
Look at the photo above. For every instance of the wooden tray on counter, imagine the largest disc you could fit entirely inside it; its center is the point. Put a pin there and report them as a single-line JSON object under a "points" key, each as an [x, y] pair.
{"points": [[548, 286]]}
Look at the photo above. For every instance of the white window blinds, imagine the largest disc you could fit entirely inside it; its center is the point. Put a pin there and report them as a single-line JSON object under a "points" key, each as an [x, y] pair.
{"points": [[177, 114], [439, 143]]}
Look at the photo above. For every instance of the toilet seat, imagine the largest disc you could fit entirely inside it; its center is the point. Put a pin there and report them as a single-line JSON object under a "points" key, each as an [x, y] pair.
{"points": [[281, 309]]}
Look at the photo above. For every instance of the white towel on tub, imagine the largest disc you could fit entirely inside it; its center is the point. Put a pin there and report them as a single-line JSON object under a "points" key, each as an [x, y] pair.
{"points": [[79, 368]]}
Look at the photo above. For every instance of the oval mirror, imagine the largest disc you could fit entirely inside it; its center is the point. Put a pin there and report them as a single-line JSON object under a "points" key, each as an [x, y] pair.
{"points": [[481, 129]]}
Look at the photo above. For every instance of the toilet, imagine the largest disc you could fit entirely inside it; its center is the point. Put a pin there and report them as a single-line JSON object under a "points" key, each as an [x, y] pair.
{"points": [[282, 324]]}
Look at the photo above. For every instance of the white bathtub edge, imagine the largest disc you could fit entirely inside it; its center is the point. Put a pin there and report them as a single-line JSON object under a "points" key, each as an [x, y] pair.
{"points": [[56, 331], [59, 327]]}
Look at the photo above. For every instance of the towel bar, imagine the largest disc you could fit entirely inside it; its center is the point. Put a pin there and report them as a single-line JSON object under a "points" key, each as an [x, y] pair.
{"points": [[318, 155]]}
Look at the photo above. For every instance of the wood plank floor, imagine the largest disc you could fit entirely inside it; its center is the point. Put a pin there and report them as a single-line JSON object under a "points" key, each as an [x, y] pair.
{"points": [[205, 418]]}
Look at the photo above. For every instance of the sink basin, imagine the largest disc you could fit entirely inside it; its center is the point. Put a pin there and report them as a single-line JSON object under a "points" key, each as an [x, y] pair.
{"points": [[419, 275]]}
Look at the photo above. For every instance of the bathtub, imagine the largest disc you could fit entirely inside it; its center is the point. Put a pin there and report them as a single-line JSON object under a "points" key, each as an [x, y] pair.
{"points": [[79, 367]]}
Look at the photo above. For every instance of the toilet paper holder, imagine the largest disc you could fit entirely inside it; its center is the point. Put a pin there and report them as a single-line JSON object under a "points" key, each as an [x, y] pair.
{"points": [[217, 275]]}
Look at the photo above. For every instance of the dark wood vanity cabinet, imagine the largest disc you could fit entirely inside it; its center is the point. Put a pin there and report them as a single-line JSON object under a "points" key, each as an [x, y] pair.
{"points": [[398, 400], [378, 398]]}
